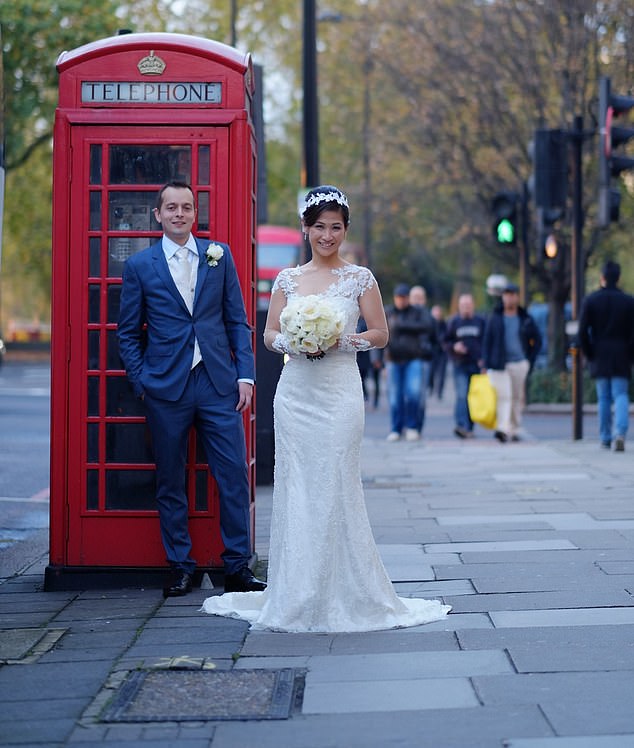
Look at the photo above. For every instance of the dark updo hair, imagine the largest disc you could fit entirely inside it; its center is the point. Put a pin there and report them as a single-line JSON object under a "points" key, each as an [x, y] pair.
{"points": [[320, 199]]}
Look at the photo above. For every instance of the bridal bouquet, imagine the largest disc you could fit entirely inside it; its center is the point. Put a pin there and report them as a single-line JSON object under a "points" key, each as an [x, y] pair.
{"points": [[312, 324]]}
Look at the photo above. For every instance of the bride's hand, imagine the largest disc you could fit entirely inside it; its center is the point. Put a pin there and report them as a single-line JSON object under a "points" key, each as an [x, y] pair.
{"points": [[281, 344], [353, 343]]}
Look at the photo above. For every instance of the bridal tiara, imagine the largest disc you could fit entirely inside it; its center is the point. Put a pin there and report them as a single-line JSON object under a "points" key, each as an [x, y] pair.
{"points": [[324, 197]]}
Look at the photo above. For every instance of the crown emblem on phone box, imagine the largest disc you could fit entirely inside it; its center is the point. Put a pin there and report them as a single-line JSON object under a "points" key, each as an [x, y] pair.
{"points": [[151, 65]]}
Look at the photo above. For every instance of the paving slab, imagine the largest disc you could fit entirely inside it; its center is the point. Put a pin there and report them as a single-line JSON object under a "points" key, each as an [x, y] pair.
{"points": [[521, 569], [406, 562], [50, 708], [32, 683], [596, 741], [395, 640], [617, 567], [593, 703], [435, 589], [600, 539], [480, 535], [430, 728], [387, 695], [562, 557], [556, 520], [502, 546], [571, 617], [398, 666], [555, 637], [546, 688], [200, 650], [592, 582], [571, 657], [37, 732], [554, 477], [195, 635], [523, 601]]}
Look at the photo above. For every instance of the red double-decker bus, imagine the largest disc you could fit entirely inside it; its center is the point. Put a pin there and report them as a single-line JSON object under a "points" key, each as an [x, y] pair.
{"points": [[278, 247]]}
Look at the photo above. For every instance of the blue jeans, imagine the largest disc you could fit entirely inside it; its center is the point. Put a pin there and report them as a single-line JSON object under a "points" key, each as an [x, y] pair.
{"points": [[405, 382], [612, 390], [462, 376], [424, 387]]}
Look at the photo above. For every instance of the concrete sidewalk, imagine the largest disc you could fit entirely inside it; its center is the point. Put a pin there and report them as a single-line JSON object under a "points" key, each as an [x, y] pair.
{"points": [[531, 543]]}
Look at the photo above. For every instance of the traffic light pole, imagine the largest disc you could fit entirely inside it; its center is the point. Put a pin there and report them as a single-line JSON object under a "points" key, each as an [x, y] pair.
{"points": [[577, 267], [523, 248]]}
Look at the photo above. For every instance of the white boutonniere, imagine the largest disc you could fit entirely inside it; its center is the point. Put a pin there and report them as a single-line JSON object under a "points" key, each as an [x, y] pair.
{"points": [[213, 254]]}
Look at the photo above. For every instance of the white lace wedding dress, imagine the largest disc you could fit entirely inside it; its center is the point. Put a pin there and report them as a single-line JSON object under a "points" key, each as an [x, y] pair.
{"points": [[324, 571]]}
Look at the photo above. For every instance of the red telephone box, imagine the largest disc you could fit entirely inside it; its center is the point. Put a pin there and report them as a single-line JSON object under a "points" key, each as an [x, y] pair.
{"points": [[134, 111]]}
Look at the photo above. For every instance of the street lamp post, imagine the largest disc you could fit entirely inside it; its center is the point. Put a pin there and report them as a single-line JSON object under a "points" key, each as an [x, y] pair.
{"points": [[310, 171], [367, 164], [234, 16]]}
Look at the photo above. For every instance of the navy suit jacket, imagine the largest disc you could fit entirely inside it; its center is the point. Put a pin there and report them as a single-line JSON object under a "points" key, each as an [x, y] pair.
{"points": [[159, 362]]}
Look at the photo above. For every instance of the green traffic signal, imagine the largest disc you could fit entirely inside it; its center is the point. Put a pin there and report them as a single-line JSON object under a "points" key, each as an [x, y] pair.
{"points": [[505, 231], [504, 209]]}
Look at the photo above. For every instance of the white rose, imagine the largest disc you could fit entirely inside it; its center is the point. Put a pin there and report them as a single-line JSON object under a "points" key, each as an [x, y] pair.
{"points": [[213, 254]]}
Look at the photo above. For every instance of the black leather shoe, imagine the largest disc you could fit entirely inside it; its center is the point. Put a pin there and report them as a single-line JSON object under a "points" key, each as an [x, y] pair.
{"points": [[178, 585], [243, 581], [501, 436]]}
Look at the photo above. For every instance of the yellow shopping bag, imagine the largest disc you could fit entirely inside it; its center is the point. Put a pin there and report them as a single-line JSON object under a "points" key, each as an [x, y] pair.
{"points": [[482, 401]]}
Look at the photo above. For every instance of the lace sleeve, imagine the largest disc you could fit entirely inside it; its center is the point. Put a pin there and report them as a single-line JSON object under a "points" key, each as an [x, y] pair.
{"points": [[365, 280], [285, 281]]}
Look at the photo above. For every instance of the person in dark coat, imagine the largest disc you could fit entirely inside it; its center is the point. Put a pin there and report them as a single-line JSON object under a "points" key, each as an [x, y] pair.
{"points": [[510, 346], [606, 337], [463, 343], [428, 340]]}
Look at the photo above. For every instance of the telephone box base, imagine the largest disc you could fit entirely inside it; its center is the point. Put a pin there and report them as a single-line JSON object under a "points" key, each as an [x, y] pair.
{"points": [[75, 578]]}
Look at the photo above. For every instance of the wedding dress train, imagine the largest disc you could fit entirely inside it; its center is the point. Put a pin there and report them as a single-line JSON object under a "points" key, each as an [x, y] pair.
{"points": [[324, 573]]}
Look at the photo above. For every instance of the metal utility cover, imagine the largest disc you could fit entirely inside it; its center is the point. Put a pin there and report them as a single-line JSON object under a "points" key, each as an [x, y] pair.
{"points": [[203, 695]]}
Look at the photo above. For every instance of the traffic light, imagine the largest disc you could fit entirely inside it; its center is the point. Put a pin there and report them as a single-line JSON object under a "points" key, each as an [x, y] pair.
{"points": [[547, 220], [550, 186], [610, 137], [504, 209], [550, 168]]}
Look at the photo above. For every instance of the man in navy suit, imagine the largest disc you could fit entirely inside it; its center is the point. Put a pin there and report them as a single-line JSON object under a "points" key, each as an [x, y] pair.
{"points": [[196, 368]]}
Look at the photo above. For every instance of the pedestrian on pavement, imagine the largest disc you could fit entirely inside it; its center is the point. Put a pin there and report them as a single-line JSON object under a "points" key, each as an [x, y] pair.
{"points": [[405, 369], [510, 346], [363, 361], [438, 370], [428, 342], [325, 573], [377, 365], [192, 366], [463, 343], [606, 336]]}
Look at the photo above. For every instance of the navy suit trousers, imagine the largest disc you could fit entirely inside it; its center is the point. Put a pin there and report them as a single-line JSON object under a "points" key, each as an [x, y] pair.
{"points": [[221, 433]]}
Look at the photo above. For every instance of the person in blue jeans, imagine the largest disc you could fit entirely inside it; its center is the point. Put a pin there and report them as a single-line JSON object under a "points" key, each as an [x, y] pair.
{"points": [[404, 365], [463, 343], [606, 337]]}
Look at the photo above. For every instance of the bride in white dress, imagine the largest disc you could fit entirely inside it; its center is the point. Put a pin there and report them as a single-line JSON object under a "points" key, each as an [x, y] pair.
{"points": [[324, 572]]}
